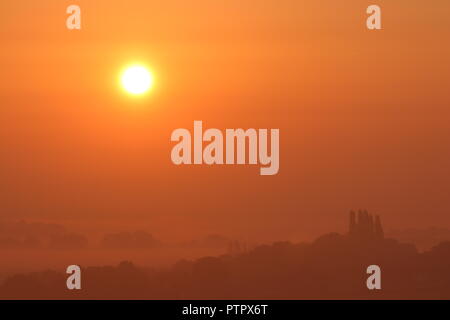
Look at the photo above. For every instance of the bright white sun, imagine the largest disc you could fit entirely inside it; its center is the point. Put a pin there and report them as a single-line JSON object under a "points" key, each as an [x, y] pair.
{"points": [[136, 79]]}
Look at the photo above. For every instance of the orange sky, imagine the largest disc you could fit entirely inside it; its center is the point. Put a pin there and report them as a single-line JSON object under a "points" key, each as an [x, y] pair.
{"points": [[363, 115]]}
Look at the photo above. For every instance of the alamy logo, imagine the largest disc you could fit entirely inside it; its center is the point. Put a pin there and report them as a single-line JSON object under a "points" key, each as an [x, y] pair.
{"points": [[74, 20], [74, 280], [236, 150], [374, 280]]}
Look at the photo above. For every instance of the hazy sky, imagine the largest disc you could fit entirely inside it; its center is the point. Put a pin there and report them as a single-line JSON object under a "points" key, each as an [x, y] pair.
{"points": [[363, 115]]}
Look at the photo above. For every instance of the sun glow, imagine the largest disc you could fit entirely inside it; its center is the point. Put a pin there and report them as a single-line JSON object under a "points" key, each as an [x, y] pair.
{"points": [[136, 80]]}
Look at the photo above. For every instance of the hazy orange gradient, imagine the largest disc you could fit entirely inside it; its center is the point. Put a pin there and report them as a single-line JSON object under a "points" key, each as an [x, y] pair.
{"points": [[363, 115]]}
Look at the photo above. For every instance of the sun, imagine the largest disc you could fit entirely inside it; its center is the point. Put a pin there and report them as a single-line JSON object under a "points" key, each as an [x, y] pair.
{"points": [[136, 79]]}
